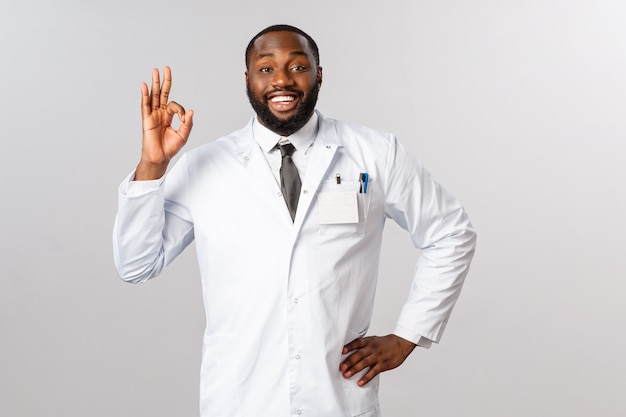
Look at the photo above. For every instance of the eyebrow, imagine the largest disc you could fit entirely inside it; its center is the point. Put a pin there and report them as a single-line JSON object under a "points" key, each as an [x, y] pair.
{"points": [[271, 54]]}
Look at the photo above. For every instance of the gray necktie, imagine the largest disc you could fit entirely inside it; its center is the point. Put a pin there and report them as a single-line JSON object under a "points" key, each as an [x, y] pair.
{"points": [[290, 182]]}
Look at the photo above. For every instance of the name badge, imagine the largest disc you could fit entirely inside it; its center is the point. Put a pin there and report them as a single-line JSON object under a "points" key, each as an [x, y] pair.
{"points": [[338, 207]]}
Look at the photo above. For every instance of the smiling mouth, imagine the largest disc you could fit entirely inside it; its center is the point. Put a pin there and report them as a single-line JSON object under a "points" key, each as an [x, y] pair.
{"points": [[281, 102], [282, 99]]}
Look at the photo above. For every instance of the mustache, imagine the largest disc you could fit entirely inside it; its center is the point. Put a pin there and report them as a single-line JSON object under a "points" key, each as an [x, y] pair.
{"points": [[299, 93]]}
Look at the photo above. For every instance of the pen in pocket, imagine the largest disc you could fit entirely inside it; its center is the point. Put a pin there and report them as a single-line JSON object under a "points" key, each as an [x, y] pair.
{"points": [[363, 180]]}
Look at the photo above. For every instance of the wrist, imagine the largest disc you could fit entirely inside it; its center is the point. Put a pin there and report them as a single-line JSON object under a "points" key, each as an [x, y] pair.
{"points": [[147, 171], [407, 345]]}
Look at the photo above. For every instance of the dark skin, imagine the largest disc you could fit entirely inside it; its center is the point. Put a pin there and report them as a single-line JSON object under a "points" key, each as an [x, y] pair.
{"points": [[160, 142], [282, 76], [281, 68], [378, 353]]}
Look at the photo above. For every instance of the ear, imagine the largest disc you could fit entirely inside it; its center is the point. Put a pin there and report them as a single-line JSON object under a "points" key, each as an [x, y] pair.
{"points": [[319, 75], [246, 77]]}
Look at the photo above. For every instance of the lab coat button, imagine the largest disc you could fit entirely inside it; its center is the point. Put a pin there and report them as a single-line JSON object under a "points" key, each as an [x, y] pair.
{"points": [[298, 357], [295, 300], [305, 191], [299, 412]]}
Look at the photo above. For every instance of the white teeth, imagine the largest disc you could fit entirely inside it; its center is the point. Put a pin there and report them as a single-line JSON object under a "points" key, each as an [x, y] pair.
{"points": [[278, 99]]}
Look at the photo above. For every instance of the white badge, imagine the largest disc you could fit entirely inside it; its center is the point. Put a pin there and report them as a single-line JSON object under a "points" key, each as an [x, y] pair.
{"points": [[338, 207]]}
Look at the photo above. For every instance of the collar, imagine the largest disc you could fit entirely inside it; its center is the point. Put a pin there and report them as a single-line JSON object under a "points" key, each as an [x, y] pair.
{"points": [[301, 140]]}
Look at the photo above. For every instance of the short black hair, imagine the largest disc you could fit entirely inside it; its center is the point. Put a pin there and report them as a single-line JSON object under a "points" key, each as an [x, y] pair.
{"points": [[284, 28]]}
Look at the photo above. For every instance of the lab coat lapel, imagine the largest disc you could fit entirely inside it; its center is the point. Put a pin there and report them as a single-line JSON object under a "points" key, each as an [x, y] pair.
{"points": [[323, 153], [250, 156]]}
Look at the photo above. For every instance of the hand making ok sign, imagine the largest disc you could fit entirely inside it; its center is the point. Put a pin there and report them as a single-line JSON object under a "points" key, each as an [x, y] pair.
{"points": [[160, 140]]}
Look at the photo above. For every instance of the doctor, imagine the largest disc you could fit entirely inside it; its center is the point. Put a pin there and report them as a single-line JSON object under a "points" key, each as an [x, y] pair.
{"points": [[287, 215]]}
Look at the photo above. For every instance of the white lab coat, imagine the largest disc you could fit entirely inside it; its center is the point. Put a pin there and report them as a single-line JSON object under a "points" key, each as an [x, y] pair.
{"points": [[283, 297]]}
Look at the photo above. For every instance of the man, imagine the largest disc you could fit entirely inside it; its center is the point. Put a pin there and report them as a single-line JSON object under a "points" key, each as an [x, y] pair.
{"points": [[287, 215]]}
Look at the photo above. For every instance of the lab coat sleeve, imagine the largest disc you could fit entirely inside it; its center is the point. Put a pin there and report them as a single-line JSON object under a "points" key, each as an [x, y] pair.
{"points": [[152, 225], [439, 226]]}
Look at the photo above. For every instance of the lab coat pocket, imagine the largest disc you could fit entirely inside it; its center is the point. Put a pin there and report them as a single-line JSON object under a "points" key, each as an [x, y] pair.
{"points": [[362, 401], [219, 388], [352, 227]]}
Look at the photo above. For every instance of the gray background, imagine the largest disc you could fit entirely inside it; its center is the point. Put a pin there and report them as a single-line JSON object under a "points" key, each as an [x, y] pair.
{"points": [[517, 107]]}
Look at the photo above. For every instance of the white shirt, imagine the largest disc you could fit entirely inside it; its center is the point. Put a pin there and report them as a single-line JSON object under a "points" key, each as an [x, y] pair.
{"points": [[283, 297]]}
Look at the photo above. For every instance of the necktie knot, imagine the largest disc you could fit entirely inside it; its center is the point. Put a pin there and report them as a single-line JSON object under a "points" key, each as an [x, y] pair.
{"points": [[286, 149]]}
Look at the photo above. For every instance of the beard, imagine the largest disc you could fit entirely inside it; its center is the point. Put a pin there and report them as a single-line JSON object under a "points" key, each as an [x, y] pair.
{"points": [[285, 127]]}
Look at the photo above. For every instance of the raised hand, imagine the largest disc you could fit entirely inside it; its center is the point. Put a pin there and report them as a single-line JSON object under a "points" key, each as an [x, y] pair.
{"points": [[160, 140], [379, 354]]}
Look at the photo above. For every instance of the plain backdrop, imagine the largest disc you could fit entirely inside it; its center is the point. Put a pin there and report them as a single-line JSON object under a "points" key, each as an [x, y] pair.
{"points": [[517, 107]]}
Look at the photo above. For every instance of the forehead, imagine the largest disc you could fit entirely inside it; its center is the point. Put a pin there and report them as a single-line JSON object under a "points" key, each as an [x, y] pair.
{"points": [[283, 42]]}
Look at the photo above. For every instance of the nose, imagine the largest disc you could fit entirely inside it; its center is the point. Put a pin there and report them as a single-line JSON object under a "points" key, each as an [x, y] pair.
{"points": [[282, 78]]}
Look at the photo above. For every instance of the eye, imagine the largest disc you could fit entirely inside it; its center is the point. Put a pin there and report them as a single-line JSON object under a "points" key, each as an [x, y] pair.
{"points": [[265, 69], [298, 68]]}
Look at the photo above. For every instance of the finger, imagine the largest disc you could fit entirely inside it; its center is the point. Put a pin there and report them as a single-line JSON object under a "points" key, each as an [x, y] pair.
{"points": [[165, 88], [173, 108], [187, 123], [155, 92], [356, 368], [145, 101], [354, 363], [371, 374], [355, 344]]}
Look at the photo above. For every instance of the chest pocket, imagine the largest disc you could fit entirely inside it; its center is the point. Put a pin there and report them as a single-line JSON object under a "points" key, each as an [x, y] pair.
{"points": [[363, 202]]}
